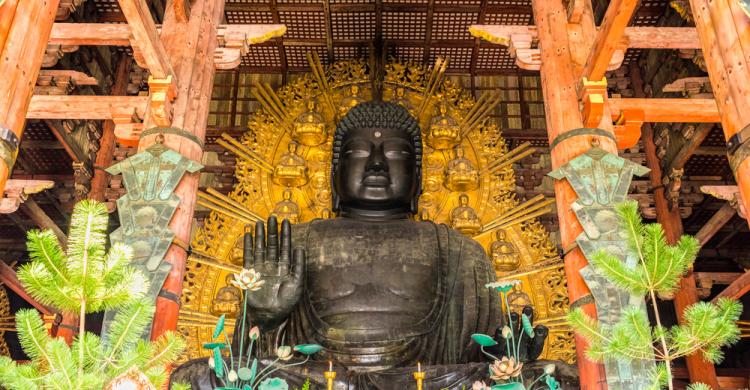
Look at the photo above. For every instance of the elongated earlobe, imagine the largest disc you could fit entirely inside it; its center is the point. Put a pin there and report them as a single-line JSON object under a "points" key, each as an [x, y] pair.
{"points": [[335, 206]]}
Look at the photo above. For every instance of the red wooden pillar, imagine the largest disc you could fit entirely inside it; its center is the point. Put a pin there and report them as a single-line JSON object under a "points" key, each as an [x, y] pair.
{"points": [[190, 46], [21, 56], [562, 113]]}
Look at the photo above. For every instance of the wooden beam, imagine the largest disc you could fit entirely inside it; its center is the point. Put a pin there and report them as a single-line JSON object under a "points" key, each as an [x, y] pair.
{"points": [[717, 221], [185, 43], [608, 38], [562, 115], [690, 146], [8, 278], [41, 219], [25, 36], [91, 34], [86, 107], [737, 289], [633, 37], [667, 110], [66, 140], [107, 143], [147, 37], [671, 222]]}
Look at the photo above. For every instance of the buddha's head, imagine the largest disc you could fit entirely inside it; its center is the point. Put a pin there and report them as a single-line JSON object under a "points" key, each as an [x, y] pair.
{"points": [[292, 147], [377, 159]]}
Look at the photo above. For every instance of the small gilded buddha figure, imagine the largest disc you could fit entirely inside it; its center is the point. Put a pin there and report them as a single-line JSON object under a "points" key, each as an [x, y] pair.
{"points": [[227, 300], [503, 253], [464, 218], [444, 132], [286, 208], [291, 171], [350, 101], [401, 99], [310, 128], [460, 175]]}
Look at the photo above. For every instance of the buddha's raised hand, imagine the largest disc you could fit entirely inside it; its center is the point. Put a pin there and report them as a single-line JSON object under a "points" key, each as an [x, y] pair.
{"points": [[281, 269]]}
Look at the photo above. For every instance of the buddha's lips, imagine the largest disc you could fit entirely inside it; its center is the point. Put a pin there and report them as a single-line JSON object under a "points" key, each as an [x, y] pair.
{"points": [[376, 180]]}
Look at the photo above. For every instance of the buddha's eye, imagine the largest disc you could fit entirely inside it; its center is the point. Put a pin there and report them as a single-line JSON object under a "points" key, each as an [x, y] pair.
{"points": [[357, 150], [397, 150]]}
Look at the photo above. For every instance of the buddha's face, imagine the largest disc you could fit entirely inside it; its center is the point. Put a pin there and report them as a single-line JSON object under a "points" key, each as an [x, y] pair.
{"points": [[376, 169]]}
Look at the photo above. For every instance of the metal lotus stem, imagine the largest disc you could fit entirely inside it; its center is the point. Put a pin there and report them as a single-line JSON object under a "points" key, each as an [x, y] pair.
{"points": [[243, 151], [512, 156], [433, 83], [320, 76]]}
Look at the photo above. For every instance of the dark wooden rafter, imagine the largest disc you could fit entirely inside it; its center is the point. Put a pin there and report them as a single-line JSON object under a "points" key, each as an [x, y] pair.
{"points": [[329, 30], [671, 222], [9, 278], [428, 30], [279, 42], [42, 220], [715, 223], [66, 140], [475, 48], [690, 146]]}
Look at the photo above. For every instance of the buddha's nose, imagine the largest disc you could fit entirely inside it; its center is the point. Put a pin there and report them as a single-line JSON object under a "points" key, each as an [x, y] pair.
{"points": [[377, 162]]}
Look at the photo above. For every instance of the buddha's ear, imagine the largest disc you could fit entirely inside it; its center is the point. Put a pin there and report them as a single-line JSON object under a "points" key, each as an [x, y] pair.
{"points": [[414, 206], [336, 203]]}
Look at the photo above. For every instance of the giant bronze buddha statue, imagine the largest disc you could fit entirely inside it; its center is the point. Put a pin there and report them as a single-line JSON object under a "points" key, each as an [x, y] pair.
{"points": [[377, 289]]}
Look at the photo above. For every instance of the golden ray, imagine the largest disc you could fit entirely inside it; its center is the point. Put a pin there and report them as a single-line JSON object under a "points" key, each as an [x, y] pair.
{"points": [[244, 152]]}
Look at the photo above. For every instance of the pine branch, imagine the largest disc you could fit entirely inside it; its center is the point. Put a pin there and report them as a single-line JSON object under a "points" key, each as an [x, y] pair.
{"points": [[61, 362], [33, 336], [44, 247], [127, 327], [168, 349], [629, 279]]}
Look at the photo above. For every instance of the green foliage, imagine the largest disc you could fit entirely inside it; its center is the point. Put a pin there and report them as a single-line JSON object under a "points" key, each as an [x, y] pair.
{"points": [[85, 278], [698, 386], [706, 328], [180, 386]]}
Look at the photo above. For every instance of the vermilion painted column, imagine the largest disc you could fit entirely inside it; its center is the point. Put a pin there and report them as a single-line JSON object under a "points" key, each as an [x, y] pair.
{"points": [[562, 114], [21, 56]]}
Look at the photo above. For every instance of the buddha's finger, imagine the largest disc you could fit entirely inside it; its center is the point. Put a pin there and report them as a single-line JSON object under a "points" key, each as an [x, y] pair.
{"points": [[286, 247], [260, 244], [537, 343], [272, 244], [247, 249], [298, 265]]}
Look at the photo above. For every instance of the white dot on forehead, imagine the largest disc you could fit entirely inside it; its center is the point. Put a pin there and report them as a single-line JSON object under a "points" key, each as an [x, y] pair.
{"points": [[377, 134]]}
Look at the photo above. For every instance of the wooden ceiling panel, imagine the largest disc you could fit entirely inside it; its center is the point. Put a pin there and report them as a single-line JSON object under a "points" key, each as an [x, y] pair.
{"points": [[296, 56], [408, 53], [494, 57], [351, 52], [37, 130], [47, 161], [453, 25], [404, 25], [715, 138], [709, 165], [248, 17], [509, 18], [459, 57], [262, 57], [303, 24], [521, 3], [353, 25]]}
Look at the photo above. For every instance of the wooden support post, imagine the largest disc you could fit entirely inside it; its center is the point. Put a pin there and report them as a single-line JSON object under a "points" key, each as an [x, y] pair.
{"points": [[609, 38], [187, 44], [699, 369], [147, 38], [41, 219], [107, 142], [562, 114], [724, 36], [20, 61], [717, 221]]}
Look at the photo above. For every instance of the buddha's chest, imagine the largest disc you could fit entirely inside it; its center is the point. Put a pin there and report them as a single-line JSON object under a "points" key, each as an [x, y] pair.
{"points": [[355, 268]]}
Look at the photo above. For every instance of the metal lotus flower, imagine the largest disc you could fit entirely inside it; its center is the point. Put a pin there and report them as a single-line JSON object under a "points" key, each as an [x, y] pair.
{"points": [[284, 352], [503, 286], [505, 369], [248, 279]]}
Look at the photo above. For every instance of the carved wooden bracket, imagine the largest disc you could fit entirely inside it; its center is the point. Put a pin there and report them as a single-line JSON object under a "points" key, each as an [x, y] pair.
{"points": [[520, 39], [628, 128], [593, 97], [128, 130], [66, 8], [54, 52], [672, 184], [162, 93], [692, 87], [17, 191], [728, 193]]}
